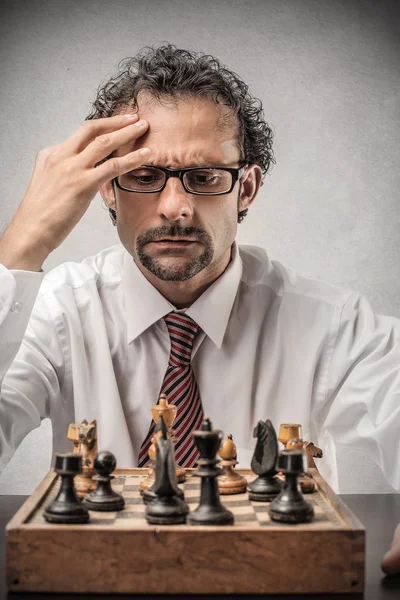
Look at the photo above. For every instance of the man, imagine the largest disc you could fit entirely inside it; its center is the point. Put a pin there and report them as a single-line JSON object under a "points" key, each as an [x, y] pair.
{"points": [[178, 148]]}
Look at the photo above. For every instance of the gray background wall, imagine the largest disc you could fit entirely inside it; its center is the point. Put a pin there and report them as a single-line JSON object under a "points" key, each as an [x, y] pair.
{"points": [[328, 74]]}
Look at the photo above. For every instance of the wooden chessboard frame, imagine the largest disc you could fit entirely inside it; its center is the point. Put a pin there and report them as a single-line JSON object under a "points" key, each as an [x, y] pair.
{"points": [[94, 558]]}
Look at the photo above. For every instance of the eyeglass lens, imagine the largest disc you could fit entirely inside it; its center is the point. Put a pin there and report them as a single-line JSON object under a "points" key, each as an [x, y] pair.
{"points": [[147, 179]]}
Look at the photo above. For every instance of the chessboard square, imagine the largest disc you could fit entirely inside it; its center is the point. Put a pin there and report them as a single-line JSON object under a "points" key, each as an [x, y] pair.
{"points": [[275, 524], [99, 521], [248, 518], [130, 501], [118, 480], [263, 516], [260, 507], [320, 516], [311, 499], [131, 488], [134, 508], [131, 514], [132, 522], [102, 516], [192, 493], [240, 510], [135, 494], [318, 510], [133, 480], [118, 488], [191, 485], [232, 502]]}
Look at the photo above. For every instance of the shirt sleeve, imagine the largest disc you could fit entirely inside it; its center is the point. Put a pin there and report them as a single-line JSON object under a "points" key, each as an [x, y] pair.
{"points": [[29, 379], [358, 416]]}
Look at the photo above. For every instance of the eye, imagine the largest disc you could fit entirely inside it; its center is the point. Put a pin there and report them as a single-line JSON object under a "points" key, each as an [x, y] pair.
{"points": [[144, 178], [204, 178]]}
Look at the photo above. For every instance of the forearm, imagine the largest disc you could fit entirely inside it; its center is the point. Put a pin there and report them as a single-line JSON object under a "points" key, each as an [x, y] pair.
{"points": [[22, 249]]}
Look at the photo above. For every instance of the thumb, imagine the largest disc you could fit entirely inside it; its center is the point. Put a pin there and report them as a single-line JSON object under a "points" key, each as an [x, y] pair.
{"points": [[390, 563]]}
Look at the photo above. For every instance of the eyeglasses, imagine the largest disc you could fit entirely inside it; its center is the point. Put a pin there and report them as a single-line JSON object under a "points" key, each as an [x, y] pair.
{"points": [[205, 181]]}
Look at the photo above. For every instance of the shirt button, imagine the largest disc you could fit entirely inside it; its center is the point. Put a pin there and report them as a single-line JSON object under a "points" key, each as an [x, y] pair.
{"points": [[16, 307]]}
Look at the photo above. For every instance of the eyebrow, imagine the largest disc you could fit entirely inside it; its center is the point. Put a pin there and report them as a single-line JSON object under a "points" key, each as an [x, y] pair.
{"points": [[208, 165]]}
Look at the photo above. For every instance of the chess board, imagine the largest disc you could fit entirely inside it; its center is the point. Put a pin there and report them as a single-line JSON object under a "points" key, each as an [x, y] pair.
{"points": [[119, 552]]}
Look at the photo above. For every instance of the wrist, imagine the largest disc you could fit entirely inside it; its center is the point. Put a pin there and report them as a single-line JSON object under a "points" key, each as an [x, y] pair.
{"points": [[21, 250]]}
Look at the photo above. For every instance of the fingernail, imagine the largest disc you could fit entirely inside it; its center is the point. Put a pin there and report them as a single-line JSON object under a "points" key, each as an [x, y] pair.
{"points": [[144, 151], [140, 123], [131, 116]]}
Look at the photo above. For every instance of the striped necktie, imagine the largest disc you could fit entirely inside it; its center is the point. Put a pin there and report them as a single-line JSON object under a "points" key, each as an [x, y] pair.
{"points": [[181, 389]]}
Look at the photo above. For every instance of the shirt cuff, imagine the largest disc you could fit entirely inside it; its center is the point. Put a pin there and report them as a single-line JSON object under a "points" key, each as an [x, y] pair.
{"points": [[18, 292]]}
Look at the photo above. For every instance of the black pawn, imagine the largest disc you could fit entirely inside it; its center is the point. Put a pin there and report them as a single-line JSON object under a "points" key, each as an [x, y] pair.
{"points": [[289, 506], [66, 507], [104, 498], [210, 510]]}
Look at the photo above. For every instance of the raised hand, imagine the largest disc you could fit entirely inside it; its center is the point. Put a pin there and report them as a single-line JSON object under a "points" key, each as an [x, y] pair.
{"points": [[63, 183]]}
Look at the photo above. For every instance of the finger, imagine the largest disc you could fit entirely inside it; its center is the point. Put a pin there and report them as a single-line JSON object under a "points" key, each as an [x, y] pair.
{"points": [[391, 561], [118, 165], [103, 145], [89, 130]]}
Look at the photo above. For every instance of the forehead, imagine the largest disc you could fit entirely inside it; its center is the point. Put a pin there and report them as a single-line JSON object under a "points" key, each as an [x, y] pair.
{"points": [[189, 132]]}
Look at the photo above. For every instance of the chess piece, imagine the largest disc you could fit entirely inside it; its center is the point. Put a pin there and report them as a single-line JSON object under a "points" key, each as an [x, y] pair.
{"points": [[307, 485], [148, 489], [169, 413], [84, 437], [167, 508], [149, 481], [210, 510], [66, 507], [290, 506], [289, 431], [230, 482], [306, 482], [104, 498], [311, 450], [267, 485]]}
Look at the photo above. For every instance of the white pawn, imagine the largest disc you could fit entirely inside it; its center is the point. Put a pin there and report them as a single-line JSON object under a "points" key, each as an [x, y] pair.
{"points": [[230, 482]]}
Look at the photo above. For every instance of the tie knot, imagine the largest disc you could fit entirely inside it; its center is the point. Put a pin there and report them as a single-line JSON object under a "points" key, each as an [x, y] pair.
{"points": [[182, 331]]}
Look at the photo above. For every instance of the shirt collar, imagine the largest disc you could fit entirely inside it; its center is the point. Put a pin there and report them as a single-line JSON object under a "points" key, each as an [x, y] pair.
{"points": [[145, 305]]}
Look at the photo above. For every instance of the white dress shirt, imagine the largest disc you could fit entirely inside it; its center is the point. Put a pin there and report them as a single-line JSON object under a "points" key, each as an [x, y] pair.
{"points": [[88, 341]]}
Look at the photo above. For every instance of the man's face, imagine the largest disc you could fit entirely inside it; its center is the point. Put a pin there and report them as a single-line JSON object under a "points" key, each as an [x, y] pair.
{"points": [[173, 234]]}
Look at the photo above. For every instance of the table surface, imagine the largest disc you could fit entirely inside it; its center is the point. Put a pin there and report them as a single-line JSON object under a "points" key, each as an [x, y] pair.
{"points": [[379, 514]]}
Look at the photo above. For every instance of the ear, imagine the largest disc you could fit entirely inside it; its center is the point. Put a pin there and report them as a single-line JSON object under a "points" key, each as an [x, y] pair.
{"points": [[107, 192], [251, 183]]}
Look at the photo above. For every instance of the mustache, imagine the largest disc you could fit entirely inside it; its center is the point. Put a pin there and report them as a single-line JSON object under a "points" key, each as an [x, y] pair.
{"points": [[170, 231]]}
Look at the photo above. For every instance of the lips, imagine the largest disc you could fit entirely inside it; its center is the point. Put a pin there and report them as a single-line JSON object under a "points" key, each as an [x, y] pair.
{"points": [[174, 241]]}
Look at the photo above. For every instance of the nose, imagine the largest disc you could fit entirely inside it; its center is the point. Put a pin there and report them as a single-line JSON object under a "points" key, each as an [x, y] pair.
{"points": [[174, 202]]}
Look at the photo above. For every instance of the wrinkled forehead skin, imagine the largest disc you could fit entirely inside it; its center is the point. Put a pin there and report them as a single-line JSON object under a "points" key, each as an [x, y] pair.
{"points": [[199, 125]]}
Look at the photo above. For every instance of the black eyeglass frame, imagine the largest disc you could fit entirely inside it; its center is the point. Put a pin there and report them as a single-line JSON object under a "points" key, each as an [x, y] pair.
{"points": [[236, 173]]}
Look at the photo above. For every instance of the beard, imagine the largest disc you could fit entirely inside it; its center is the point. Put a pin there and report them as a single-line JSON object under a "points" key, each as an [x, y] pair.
{"points": [[181, 272]]}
